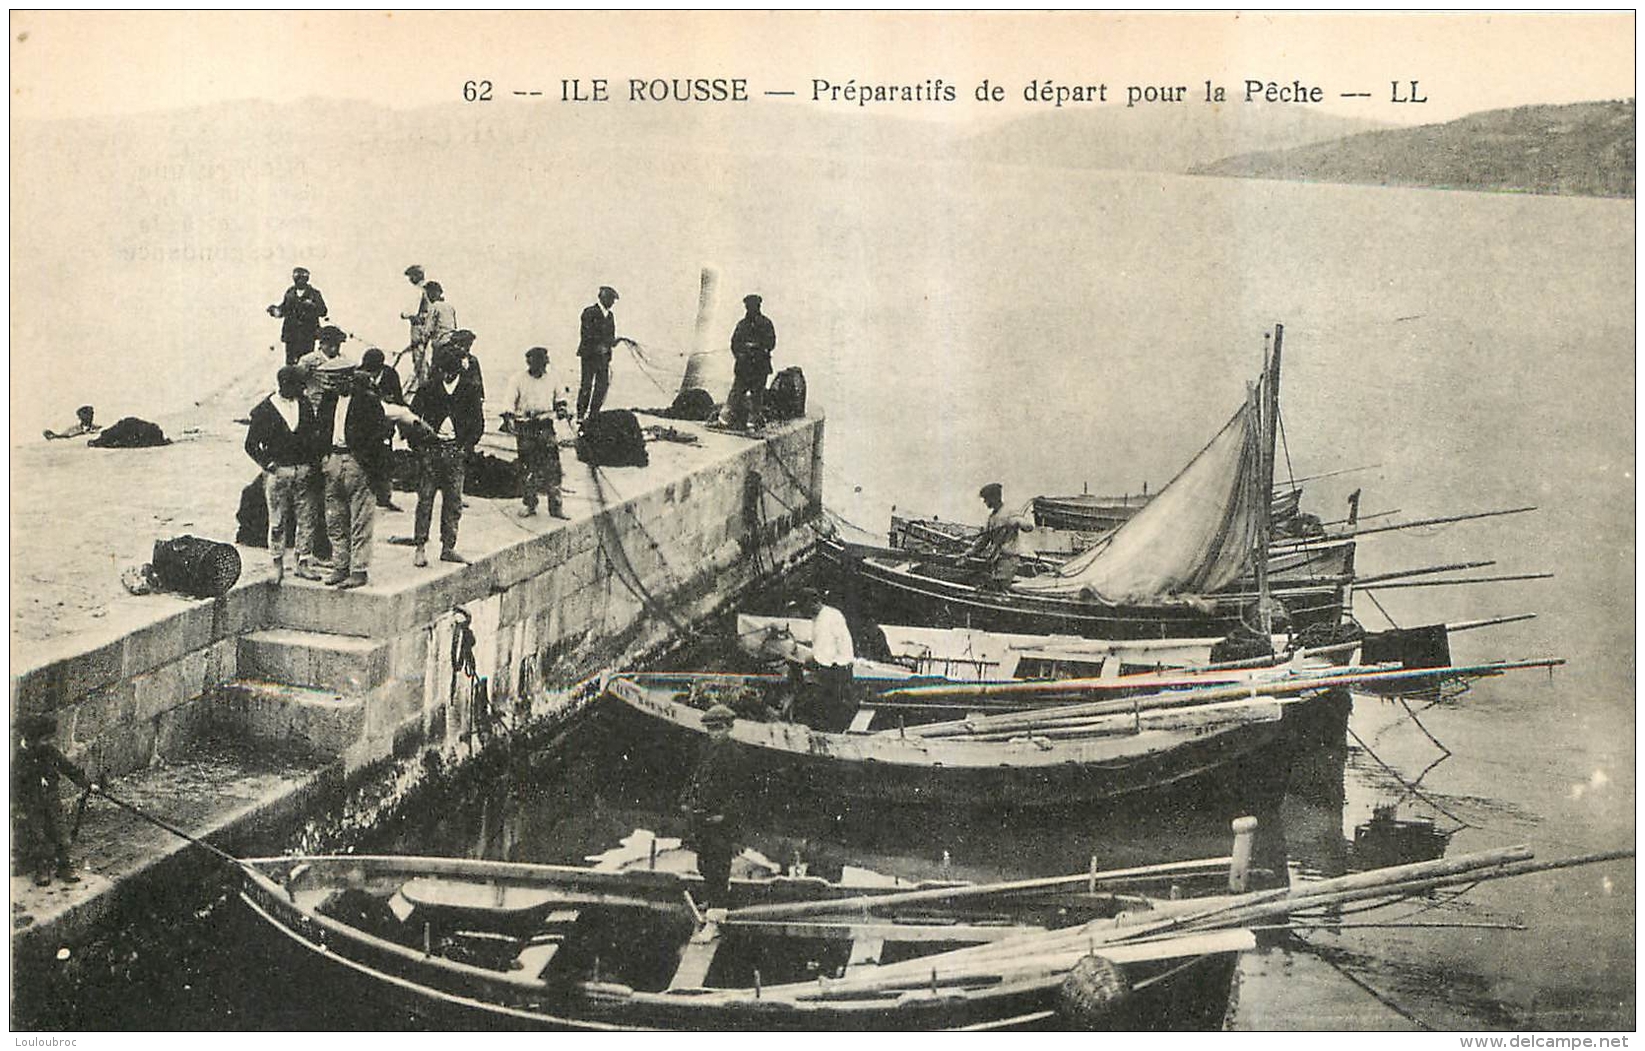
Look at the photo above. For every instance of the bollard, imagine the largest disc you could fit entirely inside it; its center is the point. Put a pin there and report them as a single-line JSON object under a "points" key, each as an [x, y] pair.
{"points": [[1239, 866]]}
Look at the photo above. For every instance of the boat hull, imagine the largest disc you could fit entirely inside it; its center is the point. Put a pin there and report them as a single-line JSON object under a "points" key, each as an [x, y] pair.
{"points": [[1239, 769], [889, 592], [1175, 997]]}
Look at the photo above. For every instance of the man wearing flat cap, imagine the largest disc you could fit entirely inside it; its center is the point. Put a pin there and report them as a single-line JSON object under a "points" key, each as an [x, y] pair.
{"points": [[302, 308], [712, 804], [350, 428], [598, 337], [752, 342], [279, 440], [451, 407], [1001, 540], [384, 382], [330, 340]]}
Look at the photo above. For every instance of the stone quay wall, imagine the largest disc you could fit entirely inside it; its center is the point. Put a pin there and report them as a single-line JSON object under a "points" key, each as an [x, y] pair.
{"points": [[360, 676]]}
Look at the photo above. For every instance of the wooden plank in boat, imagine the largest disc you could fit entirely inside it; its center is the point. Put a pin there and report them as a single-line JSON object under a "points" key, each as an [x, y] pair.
{"points": [[503, 898], [860, 722], [535, 958], [865, 951], [695, 961], [858, 931]]}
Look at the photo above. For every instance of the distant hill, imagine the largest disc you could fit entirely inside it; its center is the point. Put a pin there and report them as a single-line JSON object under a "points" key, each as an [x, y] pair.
{"points": [[1582, 149], [1160, 138]]}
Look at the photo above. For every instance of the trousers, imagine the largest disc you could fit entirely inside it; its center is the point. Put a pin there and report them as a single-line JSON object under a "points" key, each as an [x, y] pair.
{"points": [[538, 454], [288, 490], [351, 511], [751, 388], [596, 378], [443, 464]]}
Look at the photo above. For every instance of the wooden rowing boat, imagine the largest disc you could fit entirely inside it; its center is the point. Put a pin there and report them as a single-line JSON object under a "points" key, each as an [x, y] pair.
{"points": [[1234, 749], [464, 942]]}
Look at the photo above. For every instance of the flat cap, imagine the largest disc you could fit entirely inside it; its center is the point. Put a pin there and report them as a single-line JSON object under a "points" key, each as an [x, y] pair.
{"points": [[607, 290], [331, 334], [719, 715]]}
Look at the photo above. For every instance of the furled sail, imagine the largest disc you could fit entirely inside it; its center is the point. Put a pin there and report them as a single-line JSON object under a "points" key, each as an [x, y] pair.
{"points": [[1193, 538]]}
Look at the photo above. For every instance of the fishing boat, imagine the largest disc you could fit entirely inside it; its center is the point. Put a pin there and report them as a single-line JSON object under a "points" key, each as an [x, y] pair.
{"points": [[1038, 744], [970, 655], [1178, 568], [1238, 749], [1056, 536], [465, 942]]}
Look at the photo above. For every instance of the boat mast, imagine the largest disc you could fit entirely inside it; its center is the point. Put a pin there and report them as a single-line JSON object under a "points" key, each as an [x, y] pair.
{"points": [[1268, 433]]}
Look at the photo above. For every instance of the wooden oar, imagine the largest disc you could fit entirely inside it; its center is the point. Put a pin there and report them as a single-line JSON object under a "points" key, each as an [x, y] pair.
{"points": [[1459, 580], [1195, 696], [973, 890], [1431, 521], [1183, 698]]}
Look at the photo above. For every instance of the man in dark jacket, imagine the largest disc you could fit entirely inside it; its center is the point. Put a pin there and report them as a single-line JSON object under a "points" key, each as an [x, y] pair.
{"points": [[450, 406], [303, 308], [384, 382], [350, 427], [279, 440], [752, 342], [598, 336], [711, 800], [35, 769]]}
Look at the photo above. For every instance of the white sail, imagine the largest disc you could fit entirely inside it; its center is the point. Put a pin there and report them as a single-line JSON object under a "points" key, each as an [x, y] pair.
{"points": [[1195, 537]]}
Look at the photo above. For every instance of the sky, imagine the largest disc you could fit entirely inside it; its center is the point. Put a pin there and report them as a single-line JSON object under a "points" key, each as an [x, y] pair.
{"points": [[75, 64]]}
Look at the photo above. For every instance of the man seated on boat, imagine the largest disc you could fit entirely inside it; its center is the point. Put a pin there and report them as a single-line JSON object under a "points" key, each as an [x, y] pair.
{"points": [[1001, 540], [826, 702], [711, 801]]}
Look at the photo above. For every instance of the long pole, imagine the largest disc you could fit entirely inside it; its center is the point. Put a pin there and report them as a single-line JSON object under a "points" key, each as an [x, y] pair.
{"points": [[1442, 520], [167, 826], [1458, 580], [1185, 698], [971, 890]]}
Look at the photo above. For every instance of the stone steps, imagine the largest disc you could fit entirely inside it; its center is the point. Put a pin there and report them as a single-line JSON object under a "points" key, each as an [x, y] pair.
{"points": [[348, 664], [321, 722]]}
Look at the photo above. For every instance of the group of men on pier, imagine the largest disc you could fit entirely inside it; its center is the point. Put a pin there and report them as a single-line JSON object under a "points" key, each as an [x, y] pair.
{"points": [[323, 437]]}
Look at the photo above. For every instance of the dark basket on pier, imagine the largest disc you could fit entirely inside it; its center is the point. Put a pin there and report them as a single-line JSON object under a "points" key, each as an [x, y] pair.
{"points": [[196, 566]]}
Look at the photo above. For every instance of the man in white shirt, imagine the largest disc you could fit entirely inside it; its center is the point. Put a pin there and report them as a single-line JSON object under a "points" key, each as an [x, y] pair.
{"points": [[830, 706], [419, 317], [1001, 539], [531, 401]]}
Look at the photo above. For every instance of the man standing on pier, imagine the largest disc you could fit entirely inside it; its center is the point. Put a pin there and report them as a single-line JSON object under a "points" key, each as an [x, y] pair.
{"points": [[419, 318], [442, 316], [531, 401], [598, 337], [278, 440], [351, 429], [302, 308], [383, 382], [450, 406], [752, 342]]}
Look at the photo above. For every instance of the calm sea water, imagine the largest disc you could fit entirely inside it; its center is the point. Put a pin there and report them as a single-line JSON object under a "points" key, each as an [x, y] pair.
{"points": [[1054, 330]]}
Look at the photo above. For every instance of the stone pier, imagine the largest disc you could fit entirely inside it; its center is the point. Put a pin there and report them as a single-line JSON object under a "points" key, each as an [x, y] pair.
{"points": [[265, 707]]}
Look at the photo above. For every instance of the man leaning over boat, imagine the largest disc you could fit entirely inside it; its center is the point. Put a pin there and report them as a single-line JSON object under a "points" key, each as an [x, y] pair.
{"points": [[1001, 540]]}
